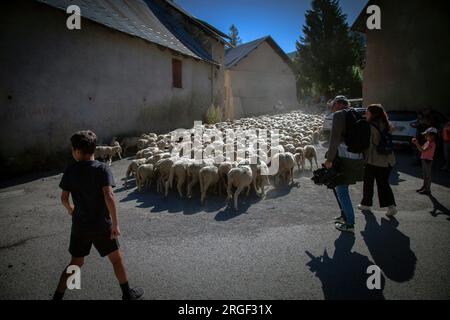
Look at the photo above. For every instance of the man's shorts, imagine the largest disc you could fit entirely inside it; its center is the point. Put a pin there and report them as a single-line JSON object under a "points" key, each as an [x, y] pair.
{"points": [[81, 244]]}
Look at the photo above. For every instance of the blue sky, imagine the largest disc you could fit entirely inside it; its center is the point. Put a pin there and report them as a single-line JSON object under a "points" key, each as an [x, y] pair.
{"points": [[282, 19]]}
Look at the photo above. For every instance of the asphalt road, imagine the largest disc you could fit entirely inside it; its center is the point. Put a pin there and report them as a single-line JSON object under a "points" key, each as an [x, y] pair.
{"points": [[283, 247]]}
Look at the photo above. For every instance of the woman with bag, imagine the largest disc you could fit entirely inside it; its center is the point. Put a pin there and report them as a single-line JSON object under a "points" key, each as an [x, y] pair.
{"points": [[380, 160]]}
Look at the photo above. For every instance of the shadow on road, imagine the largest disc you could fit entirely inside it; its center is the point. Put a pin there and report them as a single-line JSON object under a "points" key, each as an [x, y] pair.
{"points": [[173, 203], [439, 208], [244, 203], [344, 276], [389, 248]]}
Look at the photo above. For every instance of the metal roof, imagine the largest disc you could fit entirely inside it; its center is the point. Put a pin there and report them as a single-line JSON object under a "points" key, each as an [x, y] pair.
{"points": [[234, 55], [133, 17]]}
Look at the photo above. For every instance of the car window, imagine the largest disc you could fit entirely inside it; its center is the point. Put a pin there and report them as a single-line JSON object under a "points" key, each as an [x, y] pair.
{"points": [[402, 116]]}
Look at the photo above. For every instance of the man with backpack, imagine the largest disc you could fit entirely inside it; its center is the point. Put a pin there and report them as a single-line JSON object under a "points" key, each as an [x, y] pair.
{"points": [[350, 137]]}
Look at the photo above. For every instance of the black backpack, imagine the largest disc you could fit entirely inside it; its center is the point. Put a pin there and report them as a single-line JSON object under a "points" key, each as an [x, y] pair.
{"points": [[386, 145], [357, 132]]}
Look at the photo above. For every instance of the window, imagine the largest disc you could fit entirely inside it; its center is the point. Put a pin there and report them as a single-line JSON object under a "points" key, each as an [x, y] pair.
{"points": [[176, 74]]}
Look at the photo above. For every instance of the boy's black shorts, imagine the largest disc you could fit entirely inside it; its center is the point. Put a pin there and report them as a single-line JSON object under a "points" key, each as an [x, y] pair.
{"points": [[81, 244]]}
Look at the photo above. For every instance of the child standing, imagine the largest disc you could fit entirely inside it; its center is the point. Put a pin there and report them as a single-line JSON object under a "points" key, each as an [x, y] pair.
{"points": [[427, 155], [93, 212], [446, 138]]}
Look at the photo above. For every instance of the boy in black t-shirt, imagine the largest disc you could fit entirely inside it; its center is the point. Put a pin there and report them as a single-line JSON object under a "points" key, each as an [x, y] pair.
{"points": [[94, 213]]}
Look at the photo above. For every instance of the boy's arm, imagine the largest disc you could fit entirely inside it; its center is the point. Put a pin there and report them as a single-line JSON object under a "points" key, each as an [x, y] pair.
{"points": [[66, 203], [110, 201]]}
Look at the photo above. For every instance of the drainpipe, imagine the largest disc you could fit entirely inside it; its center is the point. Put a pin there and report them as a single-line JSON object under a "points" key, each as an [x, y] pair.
{"points": [[212, 75]]}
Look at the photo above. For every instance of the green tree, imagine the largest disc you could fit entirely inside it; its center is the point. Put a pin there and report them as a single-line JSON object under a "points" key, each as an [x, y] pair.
{"points": [[329, 57], [234, 35]]}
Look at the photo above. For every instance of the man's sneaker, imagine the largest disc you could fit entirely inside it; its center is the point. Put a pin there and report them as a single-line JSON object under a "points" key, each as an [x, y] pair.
{"points": [[340, 219], [364, 208], [134, 294], [425, 193], [392, 211], [420, 190], [345, 227]]}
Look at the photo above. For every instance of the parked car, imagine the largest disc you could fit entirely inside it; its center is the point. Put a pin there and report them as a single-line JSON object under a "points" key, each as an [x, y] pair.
{"points": [[328, 122], [404, 126]]}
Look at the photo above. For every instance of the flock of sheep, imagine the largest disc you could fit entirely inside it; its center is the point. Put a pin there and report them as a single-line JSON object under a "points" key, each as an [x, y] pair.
{"points": [[170, 160]]}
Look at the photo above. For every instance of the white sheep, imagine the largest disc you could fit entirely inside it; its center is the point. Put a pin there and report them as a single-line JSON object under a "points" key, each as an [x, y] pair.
{"points": [[208, 177], [310, 153], [144, 176], [240, 178]]}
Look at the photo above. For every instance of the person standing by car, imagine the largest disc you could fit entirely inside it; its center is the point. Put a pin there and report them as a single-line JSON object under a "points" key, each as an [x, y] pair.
{"points": [[350, 165], [380, 160], [427, 151], [446, 139]]}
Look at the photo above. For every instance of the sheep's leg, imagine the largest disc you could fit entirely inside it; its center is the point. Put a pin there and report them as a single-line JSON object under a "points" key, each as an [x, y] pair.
{"points": [[249, 188], [229, 194], [236, 196], [317, 165], [166, 191], [180, 183], [204, 191], [190, 186], [138, 183]]}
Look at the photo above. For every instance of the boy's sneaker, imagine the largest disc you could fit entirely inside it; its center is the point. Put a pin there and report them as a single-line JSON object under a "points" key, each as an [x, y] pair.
{"points": [[134, 294], [345, 228], [425, 193], [420, 190], [340, 219], [364, 208], [392, 211]]}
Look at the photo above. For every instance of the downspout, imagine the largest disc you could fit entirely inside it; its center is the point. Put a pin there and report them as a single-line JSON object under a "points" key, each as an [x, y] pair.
{"points": [[212, 75]]}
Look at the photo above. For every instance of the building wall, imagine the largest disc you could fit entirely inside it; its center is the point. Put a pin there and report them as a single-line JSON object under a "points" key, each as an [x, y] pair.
{"points": [[261, 83], [408, 61], [55, 81], [210, 45]]}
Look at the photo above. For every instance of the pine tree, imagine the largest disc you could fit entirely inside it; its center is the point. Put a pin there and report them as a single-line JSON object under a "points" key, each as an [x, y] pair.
{"points": [[234, 35], [329, 57]]}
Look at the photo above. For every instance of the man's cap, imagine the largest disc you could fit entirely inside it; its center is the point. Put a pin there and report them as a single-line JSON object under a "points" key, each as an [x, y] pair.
{"points": [[341, 99], [431, 130]]}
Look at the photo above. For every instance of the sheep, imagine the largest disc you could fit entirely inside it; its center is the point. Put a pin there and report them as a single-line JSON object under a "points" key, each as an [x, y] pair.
{"points": [[286, 164], [179, 172], [144, 176], [102, 152], [132, 168], [208, 176], [316, 137], [129, 142], [142, 144], [300, 161], [116, 150], [224, 168], [193, 171], [310, 153], [163, 167], [240, 178], [260, 179]]}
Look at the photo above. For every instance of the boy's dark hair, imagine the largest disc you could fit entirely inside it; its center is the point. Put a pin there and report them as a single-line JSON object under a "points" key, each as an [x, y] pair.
{"points": [[85, 141]]}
